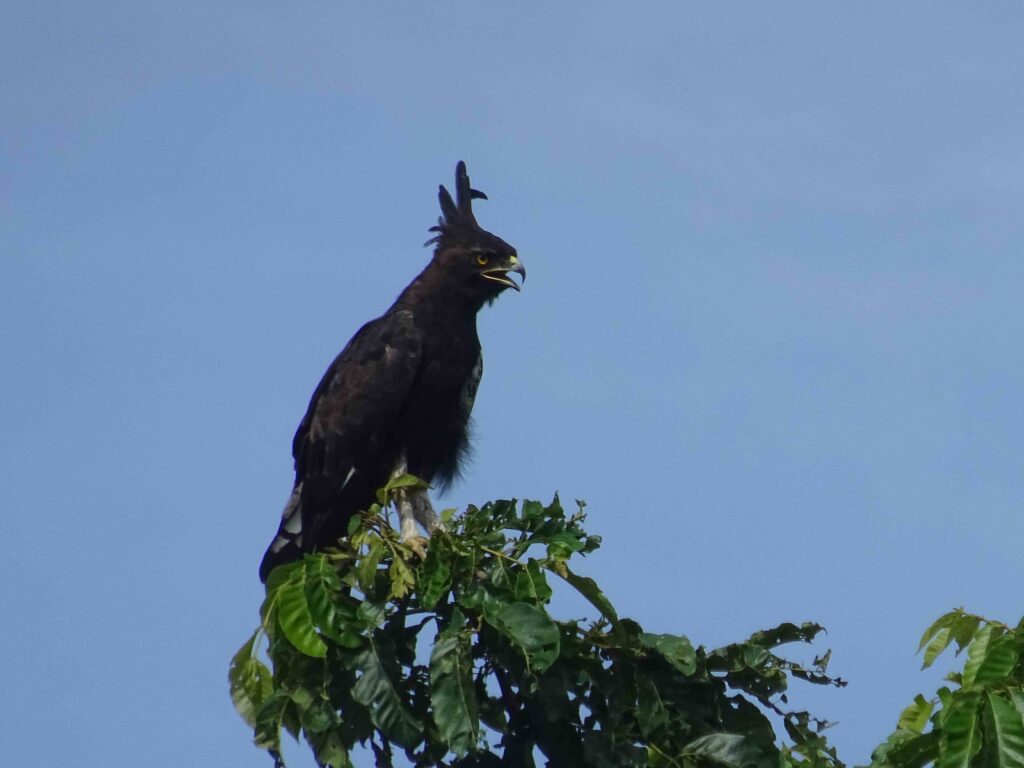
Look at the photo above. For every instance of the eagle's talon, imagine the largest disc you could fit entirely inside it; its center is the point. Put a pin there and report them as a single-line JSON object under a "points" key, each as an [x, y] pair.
{"points": [[418, 544]]}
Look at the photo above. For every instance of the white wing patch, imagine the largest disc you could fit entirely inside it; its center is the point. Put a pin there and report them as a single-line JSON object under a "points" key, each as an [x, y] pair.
{"points": [[291, 518], [291, 522]]}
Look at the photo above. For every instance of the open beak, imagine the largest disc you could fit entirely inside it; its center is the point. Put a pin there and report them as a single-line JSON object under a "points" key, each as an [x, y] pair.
{"points": [[500, 274]]}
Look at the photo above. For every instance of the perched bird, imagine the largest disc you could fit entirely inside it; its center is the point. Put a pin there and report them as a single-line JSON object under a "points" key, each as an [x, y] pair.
{"points": [[398, 398]]}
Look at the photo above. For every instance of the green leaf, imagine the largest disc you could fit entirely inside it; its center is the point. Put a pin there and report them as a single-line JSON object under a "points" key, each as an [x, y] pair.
{"points": [[250, 682], [562, 545], [331, 751], [787, 632], [1004, 732], [315, 714], [1017, 697], [501, 581], [376, 691], [675, 649], [908, 750], [945, 621], [531, 586], [399, 483], [371, 615], [991, 656], [728, 749], [452, 696], [331, 610], [960, 737], [436, 573], [408, 481], [589, 589], [275, 712], [530, 628], [533, 511], [977, 653], [366, 569], [963, 630], [475, 596], [651, 712], [282, 574], [915, 717], [294, 618], [939, 642], [401, 577]]}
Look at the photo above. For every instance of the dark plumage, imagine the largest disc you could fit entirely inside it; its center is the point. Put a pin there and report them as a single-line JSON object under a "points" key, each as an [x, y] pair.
{"points": [[398, 398]]}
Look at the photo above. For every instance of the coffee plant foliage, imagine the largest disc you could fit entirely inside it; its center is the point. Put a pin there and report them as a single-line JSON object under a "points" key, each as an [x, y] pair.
{"points": [[455, 659]]}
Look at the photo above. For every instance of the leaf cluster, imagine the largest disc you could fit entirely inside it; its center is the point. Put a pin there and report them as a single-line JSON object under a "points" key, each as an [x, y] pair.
{"points": [[977, 721], [456, 660]]}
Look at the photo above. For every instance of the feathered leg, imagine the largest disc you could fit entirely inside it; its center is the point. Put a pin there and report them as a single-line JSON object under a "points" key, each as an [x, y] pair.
{"points": [[424, 513], [409, 534], [406, 516], [413, 506]]}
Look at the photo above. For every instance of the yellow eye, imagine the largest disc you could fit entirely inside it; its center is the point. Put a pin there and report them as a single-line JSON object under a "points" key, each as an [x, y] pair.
{"points": [[482, 259]]}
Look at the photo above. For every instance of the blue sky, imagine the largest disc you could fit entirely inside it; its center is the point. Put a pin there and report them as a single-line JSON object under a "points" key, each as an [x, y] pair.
{"points": [[772, 331]]}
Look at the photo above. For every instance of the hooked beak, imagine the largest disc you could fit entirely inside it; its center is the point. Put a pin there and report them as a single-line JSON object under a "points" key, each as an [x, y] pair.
{"points": [[500, 274]]}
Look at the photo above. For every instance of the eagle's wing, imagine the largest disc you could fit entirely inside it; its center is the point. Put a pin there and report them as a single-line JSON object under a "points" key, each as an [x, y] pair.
{"points": [[340, 442]]}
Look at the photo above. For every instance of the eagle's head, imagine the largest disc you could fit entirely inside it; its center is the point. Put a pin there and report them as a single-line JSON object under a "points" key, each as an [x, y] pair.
{"points": [[472, 258]]}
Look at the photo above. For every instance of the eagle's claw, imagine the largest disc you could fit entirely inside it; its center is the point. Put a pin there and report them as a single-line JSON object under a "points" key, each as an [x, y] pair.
{"points": [[418, 544]]}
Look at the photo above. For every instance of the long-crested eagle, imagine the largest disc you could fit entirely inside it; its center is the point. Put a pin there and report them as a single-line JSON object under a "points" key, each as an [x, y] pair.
{"points": [[398, 398]]}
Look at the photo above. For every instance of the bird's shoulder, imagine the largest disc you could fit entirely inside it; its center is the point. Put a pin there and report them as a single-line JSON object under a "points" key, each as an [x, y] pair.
{"points": [[366, 381], [391, 342]]}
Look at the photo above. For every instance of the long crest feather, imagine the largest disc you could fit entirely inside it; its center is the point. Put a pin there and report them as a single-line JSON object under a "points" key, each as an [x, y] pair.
{"points": [[464, 193], [456, 214]]}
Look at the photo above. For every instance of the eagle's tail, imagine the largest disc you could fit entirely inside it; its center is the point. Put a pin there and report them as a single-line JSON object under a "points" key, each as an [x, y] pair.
{"points": [[287, 544]]}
